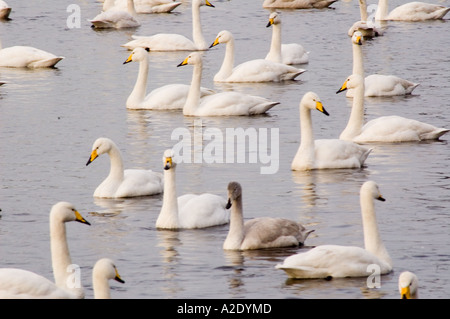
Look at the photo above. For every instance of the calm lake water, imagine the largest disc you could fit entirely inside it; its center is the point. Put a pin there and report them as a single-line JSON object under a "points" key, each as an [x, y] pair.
{"points": [[50, 118]]}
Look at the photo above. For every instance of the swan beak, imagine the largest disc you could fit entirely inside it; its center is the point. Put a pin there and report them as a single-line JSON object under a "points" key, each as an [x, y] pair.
{"points": [[381, 198], [270, 23], [209, 4], [117, 277], [168, 163], [80, 218], [405, 293], [228, 204], [343, 87], [320, 107], [358, 40], [130, 58], [94, 155], [184, 62], [216, 42]]}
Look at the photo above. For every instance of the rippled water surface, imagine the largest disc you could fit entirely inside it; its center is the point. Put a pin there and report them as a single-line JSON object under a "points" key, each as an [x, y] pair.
{"points": [[50, 118]]}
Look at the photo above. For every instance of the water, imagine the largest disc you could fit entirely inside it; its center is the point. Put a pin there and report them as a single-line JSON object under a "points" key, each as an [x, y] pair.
{"points": [[50, 118]]}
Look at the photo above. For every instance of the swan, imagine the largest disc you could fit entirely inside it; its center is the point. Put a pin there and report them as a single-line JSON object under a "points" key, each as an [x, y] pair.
{"points": [[5, 10], [18, 283], [297, 4], [144, 6], [190, 210], [324, 153], [122, 183], [262, 232], [27, 57], [367, 28], [223, 103], [104, 270], [116, 18], [292, 53], [408, 285], [167, 97], [335, 261], [377, 84], [412, 11], [172, 41], [259, 70]]}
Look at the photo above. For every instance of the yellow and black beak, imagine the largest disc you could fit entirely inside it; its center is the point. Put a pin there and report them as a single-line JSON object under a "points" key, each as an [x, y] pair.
{"points": [[185, 61], [209, 4], [130, 58], [358, 40], [168, 163], [93, 156], [405, 293], [269, 23], [343, 87], [216, 42], [381, 198], [80, 218], [320, 108], [117, 277]]}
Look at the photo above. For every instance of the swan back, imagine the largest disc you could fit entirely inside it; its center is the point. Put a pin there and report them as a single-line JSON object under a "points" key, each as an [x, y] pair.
{"points": [[408, 285], [104, 270]]}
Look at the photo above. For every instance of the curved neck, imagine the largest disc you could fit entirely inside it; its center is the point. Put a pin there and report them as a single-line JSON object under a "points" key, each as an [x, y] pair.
{"points": [[168, 217], [137, 96], [382, 10], [101, 287], [228, 62], [116, 170], [193, 98], [275, 46], [236, 231], [197, 34]]}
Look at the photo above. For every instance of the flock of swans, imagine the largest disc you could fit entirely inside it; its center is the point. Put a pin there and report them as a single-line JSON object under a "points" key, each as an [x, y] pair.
{"points": [[191, 211]]}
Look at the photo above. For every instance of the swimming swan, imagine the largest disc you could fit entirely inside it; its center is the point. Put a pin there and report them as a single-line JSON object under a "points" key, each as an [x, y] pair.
{"points": [[297, 4], [104, 270], [223, 103], [262, 232], [24, 284], [122, 183], [190, 210], [408, 285], [334, 261], [172, 41], [292, 53], [323, 153], [412, 11], [27, 57], [5, 10], [365, 26], [116, 18], [167, 97], [259, 70], [145, 6]]}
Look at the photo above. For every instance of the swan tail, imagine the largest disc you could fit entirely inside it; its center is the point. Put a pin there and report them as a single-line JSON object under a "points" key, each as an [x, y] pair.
{"points": [[45, 63], [165, 8], [292, 75], [436, 134], [261, 109], [4, 13]]}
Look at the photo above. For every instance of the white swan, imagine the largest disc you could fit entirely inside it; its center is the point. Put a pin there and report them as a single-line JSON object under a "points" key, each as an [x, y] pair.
{"points": [[27, 57], [259, 70], [324, 153], [5, 10], [262, 232], [408, 285], [167, 97], [376, 84], [412, 11], [24, 284], [223, 103], [144, 6], [190, 210], [122, 183], [116, 18], [291, 53], [334, 261], [297, 4], [173, 41], [365, 26], [104, 270]]}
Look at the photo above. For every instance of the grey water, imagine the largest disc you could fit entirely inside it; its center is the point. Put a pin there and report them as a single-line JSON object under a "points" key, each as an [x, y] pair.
{"points": [[50, 118]]}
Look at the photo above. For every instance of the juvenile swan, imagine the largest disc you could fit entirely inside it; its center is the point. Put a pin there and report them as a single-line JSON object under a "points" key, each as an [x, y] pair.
{"points": [[334, 261], [24, 284], [408, 285], [262, 232], [123, 183], [189, 210], [323, 153]]}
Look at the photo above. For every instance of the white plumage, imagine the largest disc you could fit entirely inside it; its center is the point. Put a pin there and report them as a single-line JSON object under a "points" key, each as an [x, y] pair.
{"points": [[412, 11], [297, 4], [116, 18], [27, 57]]}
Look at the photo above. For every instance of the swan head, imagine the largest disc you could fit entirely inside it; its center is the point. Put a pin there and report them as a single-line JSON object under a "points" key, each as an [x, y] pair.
{"points": [[357, 38], [408, 285], [371, 188], [199, 3], [105, 268], [223, 36], [66, 212], [168, 160], [195, 58], [352, 82], [312, 101], [274, 18], [101, 146], [137, 55], [234, 193]]}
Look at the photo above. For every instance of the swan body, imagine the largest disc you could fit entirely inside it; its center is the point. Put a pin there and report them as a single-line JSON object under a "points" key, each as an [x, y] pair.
{"points": [[297, 4], [190, 210], [122, 183], [104, 270], [367, 28], [408, 285], [291, 53], [412, 11], [27, 57], [116, 18], [262, 232], [223, 103], [167, 97], [325, 153], [5, 10], [259, 70], [145, 6], [24, 284], [335, 261], [173, 41]]}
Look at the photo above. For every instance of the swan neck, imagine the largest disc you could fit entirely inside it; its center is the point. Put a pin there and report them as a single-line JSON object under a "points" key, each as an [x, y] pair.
{"points": [[275, 45], [228, 62], [382, 10], [60, 252], [236, 231], [168, 217], [193, 98], [356, 119], [358, 59], [101, 287], [108, 4], [137, 96], [197, 33], [116, 171], [363, 9], [130, 7]]}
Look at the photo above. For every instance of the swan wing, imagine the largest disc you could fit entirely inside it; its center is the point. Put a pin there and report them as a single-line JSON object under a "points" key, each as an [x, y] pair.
{"points": [[294, 53], [200, 211], [162, 42], [114, 19], [25, 56], [335, 153], [418, 11], [261, 70], [139, 182]]}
